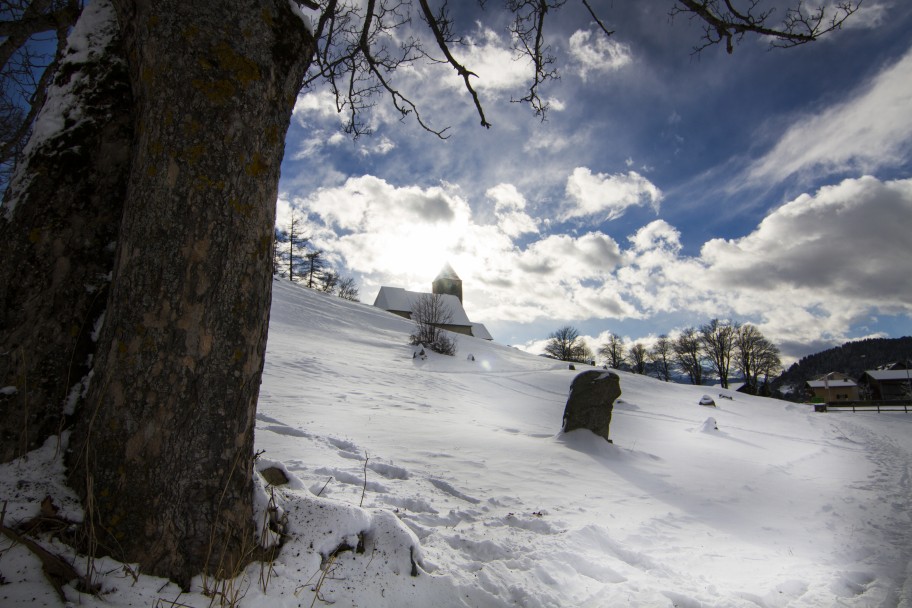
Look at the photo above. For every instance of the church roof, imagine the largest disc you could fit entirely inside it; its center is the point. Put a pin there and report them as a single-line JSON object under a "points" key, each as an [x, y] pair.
{"points": [[480, 331], [400, 300], [447, 272]]}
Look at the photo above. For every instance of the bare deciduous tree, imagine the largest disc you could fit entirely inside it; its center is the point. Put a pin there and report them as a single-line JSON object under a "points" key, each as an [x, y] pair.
{"points": [[613, 351], [328, 281], [749, 347], [430, 314], [718, 341], [637, 357], [688, 354], [567, 345], [769, 364], [348, 290], [660, 355]]}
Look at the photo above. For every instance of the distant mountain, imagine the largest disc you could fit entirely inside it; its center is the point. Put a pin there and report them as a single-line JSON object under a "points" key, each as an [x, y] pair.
{"points": [[852, 358]]}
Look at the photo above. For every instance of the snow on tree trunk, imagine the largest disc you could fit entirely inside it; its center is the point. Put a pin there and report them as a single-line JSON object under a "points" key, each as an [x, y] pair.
{"points": [[58, 225], [164, 451]]}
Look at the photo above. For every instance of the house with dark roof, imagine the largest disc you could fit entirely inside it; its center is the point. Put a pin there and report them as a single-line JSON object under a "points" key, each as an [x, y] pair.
{"points": [[448, 286]]}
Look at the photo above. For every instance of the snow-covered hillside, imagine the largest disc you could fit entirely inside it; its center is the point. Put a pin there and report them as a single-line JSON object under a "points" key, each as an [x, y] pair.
{"points": [[470, 485]]}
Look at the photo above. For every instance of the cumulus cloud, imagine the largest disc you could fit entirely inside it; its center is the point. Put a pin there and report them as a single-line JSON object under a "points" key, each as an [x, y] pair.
{"points": [[379, 146], [321, 104], [656, 235], [402, 235], [872, 129], [377, 226], [606, 195], [812, 268], [591, 255], [493, 60], [510, 210], [849, 241], [594, 52]]}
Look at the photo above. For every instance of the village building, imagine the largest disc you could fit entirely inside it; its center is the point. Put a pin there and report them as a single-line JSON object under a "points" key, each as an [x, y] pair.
{"points": [[833, 387], [448, 286], [887, 384]]}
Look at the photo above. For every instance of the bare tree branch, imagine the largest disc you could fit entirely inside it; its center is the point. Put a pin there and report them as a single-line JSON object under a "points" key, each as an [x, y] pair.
{"points": [[361, 43], [597, 20], [439, 26], [725, 23], [528, 33]]}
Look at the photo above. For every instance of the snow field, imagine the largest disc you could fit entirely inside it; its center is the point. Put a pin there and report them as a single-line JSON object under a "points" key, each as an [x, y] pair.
{"points": [[779, 507], [469, 484]]}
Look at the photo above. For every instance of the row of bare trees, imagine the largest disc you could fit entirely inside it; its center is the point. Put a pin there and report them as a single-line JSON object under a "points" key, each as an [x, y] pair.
{"points": [[294, 258], [719, 348]]}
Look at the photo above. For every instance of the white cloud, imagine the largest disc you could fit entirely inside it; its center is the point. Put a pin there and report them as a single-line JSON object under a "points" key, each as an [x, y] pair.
{"points": [[656, 235], [493, 60], [377, 146], [849, 242], [607, 195], [509, 208], [592, 255], [315, 103], [402, 235], [595, 52], [384, 231], [811, 269], [872, 129]]}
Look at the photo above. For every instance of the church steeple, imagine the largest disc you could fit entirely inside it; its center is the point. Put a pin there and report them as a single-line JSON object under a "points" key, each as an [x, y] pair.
{"points": [[448, 282]]}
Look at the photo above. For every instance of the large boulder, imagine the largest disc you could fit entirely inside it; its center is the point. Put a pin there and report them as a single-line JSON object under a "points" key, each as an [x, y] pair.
{"points": [[591, 400]]}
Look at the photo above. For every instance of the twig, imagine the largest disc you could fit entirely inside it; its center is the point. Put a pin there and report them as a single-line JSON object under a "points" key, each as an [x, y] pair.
{"points": [[364, 487], [324, 485], [58, 571]]}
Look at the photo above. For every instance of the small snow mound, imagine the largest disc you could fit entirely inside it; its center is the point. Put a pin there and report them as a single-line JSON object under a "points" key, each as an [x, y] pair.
{"points": [[707, 400], [709, 425]]}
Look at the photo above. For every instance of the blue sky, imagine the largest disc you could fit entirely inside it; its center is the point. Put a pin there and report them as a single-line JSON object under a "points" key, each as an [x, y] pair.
{"points": [[663, 190]]}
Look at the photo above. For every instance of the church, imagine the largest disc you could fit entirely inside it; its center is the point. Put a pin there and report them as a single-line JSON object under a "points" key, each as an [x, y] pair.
{"points": [[449, 286]]}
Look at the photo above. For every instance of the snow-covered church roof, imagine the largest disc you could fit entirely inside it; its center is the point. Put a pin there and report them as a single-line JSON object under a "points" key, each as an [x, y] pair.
{"points": [[397, 299]]}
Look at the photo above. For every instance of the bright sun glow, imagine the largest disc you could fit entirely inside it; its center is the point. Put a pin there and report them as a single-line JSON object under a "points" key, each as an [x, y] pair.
{"points": [[419, 251]]}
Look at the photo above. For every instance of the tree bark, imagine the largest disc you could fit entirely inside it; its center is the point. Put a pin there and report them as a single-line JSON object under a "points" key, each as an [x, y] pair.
{"points": [[163, 453], [58, 226]]}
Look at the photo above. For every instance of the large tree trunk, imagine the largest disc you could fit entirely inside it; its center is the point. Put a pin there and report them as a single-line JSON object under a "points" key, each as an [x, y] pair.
{"points": [[58, 225], [163, 452]]}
